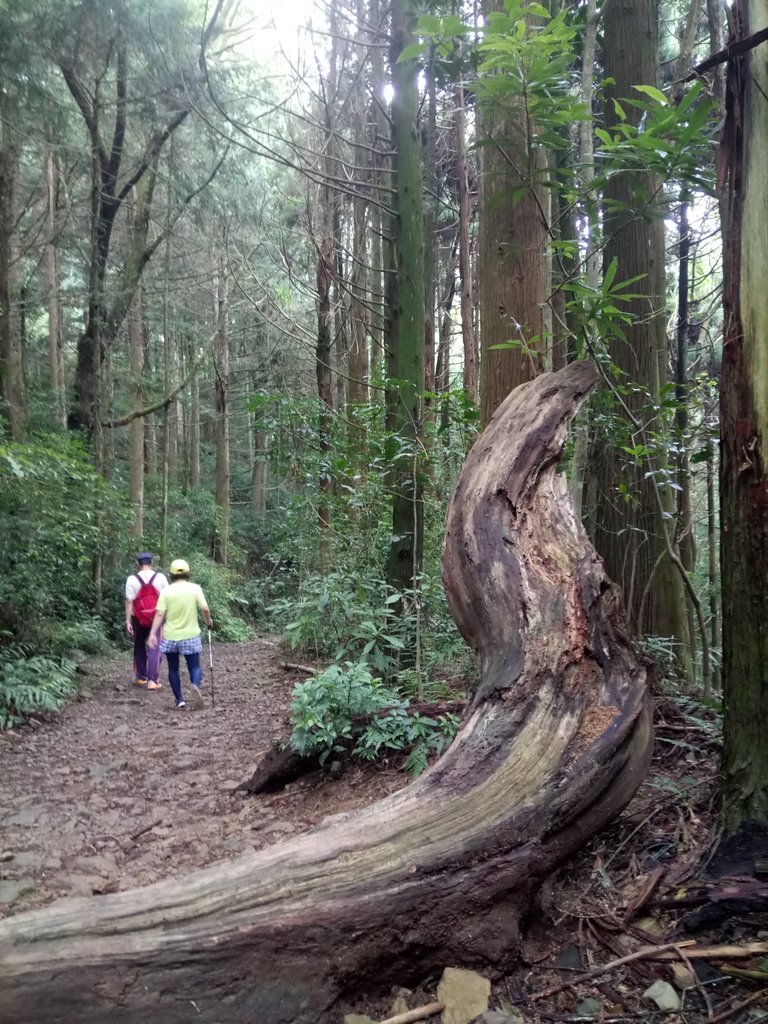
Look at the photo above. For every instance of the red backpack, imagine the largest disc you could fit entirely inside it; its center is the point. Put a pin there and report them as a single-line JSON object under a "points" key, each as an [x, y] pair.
{"points": [[145, 602]]}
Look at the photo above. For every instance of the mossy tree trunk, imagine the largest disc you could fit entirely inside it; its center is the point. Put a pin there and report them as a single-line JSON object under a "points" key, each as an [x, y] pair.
{"points": [[744, 433]]}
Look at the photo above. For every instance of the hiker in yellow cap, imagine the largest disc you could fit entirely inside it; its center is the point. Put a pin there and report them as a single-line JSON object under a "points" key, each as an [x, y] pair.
{"points": [[177, 613]]}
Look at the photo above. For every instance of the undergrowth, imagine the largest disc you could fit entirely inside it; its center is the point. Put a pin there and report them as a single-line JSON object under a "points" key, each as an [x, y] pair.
{"points": [[29, 685], [346, 708]]}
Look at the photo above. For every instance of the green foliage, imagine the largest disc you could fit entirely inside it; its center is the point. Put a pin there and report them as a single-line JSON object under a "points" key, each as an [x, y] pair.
{"points": [[340, 615], [57, 513], [75, 638], [325, 709], [671, 140], [32, 684], [222, 590]]}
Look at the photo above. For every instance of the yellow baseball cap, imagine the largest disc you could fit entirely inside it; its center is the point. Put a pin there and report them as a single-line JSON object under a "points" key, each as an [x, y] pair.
{"points": [[179, 567]]}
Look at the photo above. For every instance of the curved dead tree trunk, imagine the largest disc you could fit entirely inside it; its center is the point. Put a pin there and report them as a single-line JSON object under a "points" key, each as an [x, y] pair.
{"points": [[555, 743]]}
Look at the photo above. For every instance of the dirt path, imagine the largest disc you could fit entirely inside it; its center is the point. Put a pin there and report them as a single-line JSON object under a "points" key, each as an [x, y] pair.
{"points": [[120, 789]]}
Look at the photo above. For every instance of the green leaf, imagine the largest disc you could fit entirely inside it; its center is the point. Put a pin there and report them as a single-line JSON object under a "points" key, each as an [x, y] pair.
{"points": [[653, 92]]}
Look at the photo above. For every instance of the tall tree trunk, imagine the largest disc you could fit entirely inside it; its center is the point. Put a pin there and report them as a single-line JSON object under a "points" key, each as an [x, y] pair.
{"points": [[381, 255], [193, 448], [579, 463], [221, 407], [55, 324], [513, 240], [744, 433], [468, 336], [684, 536], [259, 473], [713, 579], [136, 426], [358, 362], [324, 278], [406, 309], [631, 536], [13, 391], [431, 238]]}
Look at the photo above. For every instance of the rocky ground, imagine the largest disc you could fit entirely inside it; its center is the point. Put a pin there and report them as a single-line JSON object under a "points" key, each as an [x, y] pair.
{"points": [[646, 924], [121, 789]]}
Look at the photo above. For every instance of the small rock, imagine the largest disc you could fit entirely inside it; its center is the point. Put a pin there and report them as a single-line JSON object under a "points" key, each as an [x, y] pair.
{"points": [[5, 856], [82, 885], [400, 1002], [499, 1017], [12, 889], [29, 816], [100, 863], [357, 1018], [665, 997], [589, 1007], [683, 977], [29, 859], [465, 994]]}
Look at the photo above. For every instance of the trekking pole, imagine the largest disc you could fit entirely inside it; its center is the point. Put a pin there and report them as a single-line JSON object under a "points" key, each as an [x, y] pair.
{"points": [[210, 664]]}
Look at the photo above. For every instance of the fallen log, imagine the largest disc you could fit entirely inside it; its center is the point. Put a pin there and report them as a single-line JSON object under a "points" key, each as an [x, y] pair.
{"points": [[554, 744]]}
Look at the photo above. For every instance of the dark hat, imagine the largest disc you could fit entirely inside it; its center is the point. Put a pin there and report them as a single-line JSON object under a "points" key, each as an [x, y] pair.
{"points": [[145, 556]]}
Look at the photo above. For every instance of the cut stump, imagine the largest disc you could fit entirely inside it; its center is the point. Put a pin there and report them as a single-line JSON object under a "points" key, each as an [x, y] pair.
{"points": [[555, 743]]}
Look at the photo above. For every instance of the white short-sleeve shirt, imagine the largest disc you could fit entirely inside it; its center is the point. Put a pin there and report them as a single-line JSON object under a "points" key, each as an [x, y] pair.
{"points": [[132, 584]]}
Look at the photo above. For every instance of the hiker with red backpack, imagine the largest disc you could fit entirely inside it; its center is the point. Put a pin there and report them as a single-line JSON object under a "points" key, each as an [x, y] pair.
{"points": [[142, 589]]}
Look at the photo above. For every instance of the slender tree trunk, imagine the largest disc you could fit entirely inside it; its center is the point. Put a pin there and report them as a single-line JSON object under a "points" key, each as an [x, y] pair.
{"points": [[193, 474], [381, 174], [685, 538], [468, 336], [712, 574], [578, 468], [136, 426], [406, 340], [259, 473], [358, 362], [744, 433], [55, 325], [13, 392], [324, 277], [631, 536], [221, 406], [430, 234]]}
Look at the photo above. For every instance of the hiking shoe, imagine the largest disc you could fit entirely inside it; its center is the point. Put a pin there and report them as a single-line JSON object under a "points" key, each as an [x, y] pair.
{"points": [[140, 682], [197, 698], [180, 704], [152, 685]]}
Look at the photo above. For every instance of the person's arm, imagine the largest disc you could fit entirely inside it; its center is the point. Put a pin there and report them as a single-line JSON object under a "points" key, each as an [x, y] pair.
{"points": [[157, 622], [128, 614], [205, 611]]}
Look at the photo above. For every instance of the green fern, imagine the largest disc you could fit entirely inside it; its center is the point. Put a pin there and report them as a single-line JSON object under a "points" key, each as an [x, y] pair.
{"points": [[33, 684]]}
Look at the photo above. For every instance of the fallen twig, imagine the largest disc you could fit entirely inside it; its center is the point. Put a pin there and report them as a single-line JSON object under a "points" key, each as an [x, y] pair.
{"points": [[697, 981], [647, 952], [420, 1013], [146, 828], [739, 1006], [710, 952], [293, 666]]}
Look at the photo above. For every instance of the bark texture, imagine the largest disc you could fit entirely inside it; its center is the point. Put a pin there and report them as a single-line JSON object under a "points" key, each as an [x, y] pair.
{"points": [[555, 742], [744, 430]]}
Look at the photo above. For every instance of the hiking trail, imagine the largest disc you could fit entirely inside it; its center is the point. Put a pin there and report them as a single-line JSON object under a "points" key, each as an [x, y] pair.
{"points": [[119, 789]]}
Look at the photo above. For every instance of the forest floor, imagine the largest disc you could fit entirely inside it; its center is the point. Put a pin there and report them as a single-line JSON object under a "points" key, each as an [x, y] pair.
{"points": [[120, 790]]}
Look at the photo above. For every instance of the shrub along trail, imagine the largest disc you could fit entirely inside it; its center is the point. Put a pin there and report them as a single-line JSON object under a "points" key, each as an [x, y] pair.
{"points": [[119, 789]]}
